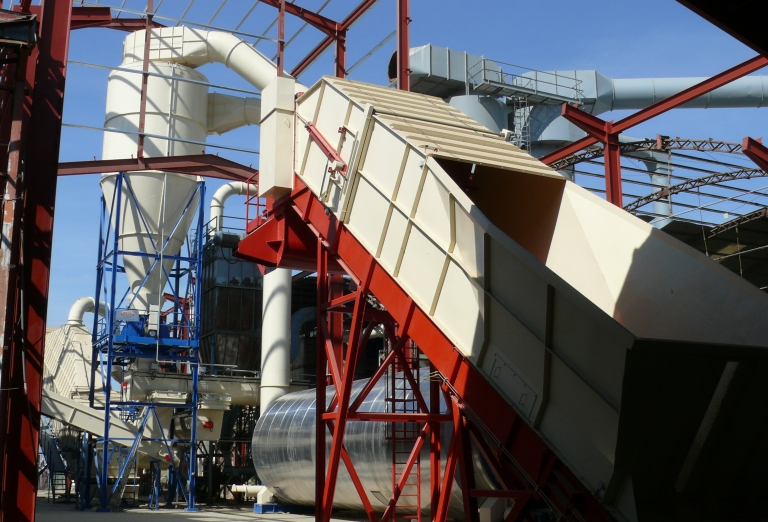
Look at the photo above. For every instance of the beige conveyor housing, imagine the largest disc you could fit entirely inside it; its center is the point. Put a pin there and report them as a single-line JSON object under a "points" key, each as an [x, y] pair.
{"points": [[653, 387]]}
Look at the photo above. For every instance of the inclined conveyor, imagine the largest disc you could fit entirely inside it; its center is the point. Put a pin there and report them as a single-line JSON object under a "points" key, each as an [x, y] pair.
{"points": [[621, 370]]}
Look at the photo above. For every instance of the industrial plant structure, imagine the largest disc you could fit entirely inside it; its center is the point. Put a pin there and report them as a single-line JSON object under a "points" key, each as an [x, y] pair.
{"points": [[431, 310]]}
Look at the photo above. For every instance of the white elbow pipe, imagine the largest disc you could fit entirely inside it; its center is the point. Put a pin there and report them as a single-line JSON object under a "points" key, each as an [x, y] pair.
{"points": [[195, 47], [235, 188], [83, 306]]}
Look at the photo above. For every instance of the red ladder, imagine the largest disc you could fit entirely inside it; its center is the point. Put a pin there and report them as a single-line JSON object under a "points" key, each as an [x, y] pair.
{"points": [[400, 399]]}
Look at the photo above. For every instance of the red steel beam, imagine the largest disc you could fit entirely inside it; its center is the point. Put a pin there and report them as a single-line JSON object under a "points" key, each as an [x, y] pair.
{"points": [[326, 25], [466, 470], [145, 79], [321, 364], [280, 37], [603, 132], [353, 17], [85, 17], [684, 96], [206, 165], [755, 151], [369, 416], [403, 45], [20, 406]]}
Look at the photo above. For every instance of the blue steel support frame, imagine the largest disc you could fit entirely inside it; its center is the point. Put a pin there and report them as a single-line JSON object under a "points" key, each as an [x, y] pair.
{"points": [[108, 345]]}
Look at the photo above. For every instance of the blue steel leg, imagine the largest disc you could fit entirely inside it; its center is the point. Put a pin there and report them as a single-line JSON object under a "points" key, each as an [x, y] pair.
{"points": [[110, 347], [193, 442]]}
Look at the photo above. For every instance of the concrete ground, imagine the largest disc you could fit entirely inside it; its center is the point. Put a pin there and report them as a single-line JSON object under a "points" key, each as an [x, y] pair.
{"points": [[61, 512]]}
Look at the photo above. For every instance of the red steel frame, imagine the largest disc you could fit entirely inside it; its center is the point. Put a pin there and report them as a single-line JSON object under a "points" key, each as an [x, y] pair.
{"points": [[336, 32], [83, 17], [755, 151], [403, 45], [608, 132], [27, 297], [530, 473], [341, 365]]}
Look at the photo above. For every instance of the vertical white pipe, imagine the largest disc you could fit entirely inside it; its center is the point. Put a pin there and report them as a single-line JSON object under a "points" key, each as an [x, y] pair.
{"points": [[276, 336]]}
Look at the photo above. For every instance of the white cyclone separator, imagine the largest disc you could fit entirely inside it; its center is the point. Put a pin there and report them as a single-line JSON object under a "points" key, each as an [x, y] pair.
{"points": [[183, 111]]}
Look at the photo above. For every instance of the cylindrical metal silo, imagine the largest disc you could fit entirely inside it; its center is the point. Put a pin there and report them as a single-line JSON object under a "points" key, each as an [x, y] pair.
{"points": [[284, 450]]}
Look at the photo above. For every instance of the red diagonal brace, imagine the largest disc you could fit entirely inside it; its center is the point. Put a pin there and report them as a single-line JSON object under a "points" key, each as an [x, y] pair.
{"points": [[322, 46], [328, 149], [355, 478], [326, 25], [684, 96], [406, 473], [344, 392], [604, 132]]}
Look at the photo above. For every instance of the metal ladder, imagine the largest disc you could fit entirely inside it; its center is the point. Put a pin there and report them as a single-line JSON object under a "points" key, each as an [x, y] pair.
{"points": [[521, 136], [403, 435], [126, 462], [57, 484]]}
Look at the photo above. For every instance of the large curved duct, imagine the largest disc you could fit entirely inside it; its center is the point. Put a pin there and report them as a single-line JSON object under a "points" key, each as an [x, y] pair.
{"points": [[234, 188], [284, 450], [82, 306]]}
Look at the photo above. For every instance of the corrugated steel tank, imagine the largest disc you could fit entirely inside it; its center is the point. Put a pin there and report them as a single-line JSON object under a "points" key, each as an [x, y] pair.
{"points": [[284, 450]]}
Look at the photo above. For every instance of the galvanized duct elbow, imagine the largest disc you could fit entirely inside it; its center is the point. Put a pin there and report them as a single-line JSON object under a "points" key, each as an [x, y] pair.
{"points": [[81, 307], [235, 188]]}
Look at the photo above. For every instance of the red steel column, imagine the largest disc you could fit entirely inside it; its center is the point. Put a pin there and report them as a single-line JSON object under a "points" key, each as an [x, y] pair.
{"points": [[403, 45], [20, 415], [145, 79], [434, 444], [606, 133], [612, 162], [18, 122], [341, 54], [321, 361], [281, 38]]}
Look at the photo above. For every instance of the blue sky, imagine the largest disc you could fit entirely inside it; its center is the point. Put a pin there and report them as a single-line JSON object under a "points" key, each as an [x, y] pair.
{"points": [[619, 38]]}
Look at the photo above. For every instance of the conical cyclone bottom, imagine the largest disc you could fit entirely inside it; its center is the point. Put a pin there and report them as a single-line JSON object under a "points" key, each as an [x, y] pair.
{"points": [[157, 209]]}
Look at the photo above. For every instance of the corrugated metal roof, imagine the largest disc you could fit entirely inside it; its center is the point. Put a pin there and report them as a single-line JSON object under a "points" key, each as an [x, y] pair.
{"points": [[430, 123]]}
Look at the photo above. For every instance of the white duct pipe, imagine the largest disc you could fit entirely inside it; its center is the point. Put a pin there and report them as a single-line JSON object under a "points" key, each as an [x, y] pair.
{"points": [[195, 47], [276, 336], [81, 307], [226, 112], [235, 188], [250, 490], [638, 93]]}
